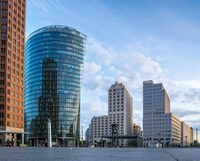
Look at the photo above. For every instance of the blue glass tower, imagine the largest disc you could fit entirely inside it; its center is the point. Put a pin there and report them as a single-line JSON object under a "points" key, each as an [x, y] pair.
{"points": [[54, 61]]}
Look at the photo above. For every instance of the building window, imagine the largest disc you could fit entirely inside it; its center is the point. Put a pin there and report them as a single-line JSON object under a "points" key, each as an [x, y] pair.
{"points": [[2, 82], [1, 115], [1, 123], [1, 90], [4, 3], [3, 42], [1, 106], [1, 98]]}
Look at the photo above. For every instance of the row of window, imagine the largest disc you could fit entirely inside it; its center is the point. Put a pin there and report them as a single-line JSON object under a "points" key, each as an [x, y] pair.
{"points": [[73, 95], [118, 90], [21, 61], [63, 65], [64, 48], [116, 110], [65, 59], [116, 93], [13, 117], [5, 3], [17, 80], [18, 88], [17, 125], [60, 35], [58, 43], [102, 124], [66, 80], [64, 87], [113, 100], [4, 34], [116, 103], [9, 53], [15, 102], [16, 110]]}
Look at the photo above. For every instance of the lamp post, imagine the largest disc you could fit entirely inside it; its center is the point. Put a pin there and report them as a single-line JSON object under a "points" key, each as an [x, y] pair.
{"points": [[82, 134], [49, 134]]}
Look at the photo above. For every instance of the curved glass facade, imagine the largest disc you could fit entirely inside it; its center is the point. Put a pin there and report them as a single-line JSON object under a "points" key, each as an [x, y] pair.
{"points": [[54, 60]]}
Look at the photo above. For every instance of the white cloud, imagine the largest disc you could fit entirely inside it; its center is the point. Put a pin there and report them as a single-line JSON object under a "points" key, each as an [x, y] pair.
{"points": [[148, 66], [91, 68], [97, 52], [104, 66], [42, 5]]}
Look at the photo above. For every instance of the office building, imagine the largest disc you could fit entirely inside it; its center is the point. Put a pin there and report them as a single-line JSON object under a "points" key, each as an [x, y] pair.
{"points": [[87, 137], [175, 130], [100, 128], [155, 104], [160, 127], [191, 136], [185, 134], [137, 130], [120, 112], [12, 35], [120, 109], [53, 73]]}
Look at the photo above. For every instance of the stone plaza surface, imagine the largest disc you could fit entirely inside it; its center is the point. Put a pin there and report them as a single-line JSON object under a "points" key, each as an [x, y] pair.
{"points": [[98, 154]]}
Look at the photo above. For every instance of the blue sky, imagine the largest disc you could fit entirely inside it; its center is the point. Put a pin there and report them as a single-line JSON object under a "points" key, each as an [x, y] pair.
{"points": [[129, 42]]}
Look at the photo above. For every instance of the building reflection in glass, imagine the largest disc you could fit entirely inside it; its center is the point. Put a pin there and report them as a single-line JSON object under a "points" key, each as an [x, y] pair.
{"points": [[53, 73]]}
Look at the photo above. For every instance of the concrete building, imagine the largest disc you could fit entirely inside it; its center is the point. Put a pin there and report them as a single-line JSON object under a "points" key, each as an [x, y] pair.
{"points": [[99, 125], [12, 35], [185, 134], [53, 74], [191, 136], [160, 127], [156, 104], [88, 136], [137, 130], [175, 130], [120, 110]]}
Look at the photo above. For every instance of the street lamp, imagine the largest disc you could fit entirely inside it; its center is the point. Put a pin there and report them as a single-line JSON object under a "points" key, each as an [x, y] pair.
{"points": [[49, 134], [82, 133]]}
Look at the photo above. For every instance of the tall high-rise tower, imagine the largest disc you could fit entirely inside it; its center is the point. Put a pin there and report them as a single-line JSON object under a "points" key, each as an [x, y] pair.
{"points": [[53, 73], [120, 109], [160, 127], [155, 104], [12, 35]]}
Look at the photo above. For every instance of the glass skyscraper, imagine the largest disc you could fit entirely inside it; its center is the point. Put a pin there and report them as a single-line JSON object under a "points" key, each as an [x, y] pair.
{"points": [[54, 61]]}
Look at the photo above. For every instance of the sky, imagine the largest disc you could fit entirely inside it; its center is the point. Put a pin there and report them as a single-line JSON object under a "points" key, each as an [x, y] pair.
{"points": [[130, 42]]}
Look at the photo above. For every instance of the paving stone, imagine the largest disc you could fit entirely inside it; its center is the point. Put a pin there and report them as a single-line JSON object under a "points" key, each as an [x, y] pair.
{"points": [[98, 154]]}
